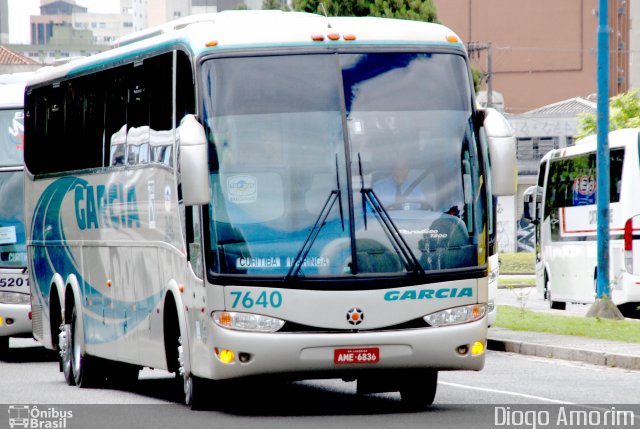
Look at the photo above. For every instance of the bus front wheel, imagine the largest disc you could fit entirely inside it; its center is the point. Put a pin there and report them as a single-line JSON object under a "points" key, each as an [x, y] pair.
{"points": [[4, 346], [554, 305], [419, 392], [195, 388]]}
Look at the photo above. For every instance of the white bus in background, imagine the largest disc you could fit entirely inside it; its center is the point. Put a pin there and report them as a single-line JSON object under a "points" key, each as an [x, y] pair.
{"points": [[15, 308], [563, 205], [201, 199]]}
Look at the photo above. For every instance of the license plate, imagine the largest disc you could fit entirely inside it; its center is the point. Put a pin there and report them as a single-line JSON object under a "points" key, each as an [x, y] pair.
{"points": [[356, 355]]}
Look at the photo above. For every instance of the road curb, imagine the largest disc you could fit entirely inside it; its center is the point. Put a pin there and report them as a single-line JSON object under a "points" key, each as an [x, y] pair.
{"points": [[612, 360]]}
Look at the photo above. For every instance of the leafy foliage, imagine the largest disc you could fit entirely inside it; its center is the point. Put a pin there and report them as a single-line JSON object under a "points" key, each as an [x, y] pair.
{"points": [[274, 5], [624, 112], [417, 10]]}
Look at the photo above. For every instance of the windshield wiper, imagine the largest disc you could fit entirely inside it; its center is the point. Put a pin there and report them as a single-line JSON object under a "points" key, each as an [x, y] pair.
{"points": [[398, 242], [296, 266]]}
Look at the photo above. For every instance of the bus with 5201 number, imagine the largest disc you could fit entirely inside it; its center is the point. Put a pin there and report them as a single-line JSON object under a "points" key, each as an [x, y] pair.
{"points": [[15, 308]]}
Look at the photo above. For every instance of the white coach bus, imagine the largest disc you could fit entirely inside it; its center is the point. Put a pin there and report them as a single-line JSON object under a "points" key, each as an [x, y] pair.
{"points": [[563, 205], [209, 198], [15, 308]]}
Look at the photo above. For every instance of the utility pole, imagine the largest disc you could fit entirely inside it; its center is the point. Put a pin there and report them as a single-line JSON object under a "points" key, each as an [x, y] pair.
{"points": [[474, 49], [603, 306]]}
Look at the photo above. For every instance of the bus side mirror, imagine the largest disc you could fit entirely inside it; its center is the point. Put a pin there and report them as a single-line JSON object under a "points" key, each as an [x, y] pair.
{"points": [[194, 167], [532, 197], [502, 151]]}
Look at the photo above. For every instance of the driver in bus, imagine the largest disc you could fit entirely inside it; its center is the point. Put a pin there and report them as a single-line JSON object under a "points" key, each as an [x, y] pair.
{"points": [[396, 191]]}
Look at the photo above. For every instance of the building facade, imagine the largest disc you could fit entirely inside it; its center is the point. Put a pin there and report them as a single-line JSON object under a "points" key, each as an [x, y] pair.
{"points": [[541, 51]]}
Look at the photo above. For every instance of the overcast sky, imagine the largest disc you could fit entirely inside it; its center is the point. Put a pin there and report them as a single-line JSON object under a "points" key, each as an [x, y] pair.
{"points": [[20, 10]]}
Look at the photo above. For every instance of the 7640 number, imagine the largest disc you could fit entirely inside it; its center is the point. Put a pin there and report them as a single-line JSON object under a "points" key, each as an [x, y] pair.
{"points": [[264, 299]]}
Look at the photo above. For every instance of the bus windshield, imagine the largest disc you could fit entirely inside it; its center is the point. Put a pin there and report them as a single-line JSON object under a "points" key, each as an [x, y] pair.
{"points": [[11, 137], [340, 165], [12, 233]]}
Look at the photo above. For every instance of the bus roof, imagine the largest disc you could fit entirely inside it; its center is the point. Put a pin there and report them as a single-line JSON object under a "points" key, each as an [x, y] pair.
{"points": [[215, 32], [12, 95], [617, 138]]}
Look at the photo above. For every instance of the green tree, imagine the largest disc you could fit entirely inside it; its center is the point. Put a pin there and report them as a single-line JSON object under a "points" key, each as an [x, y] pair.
{"points": [[274, 5], [624, 112], [477, 76], [417, 10]]}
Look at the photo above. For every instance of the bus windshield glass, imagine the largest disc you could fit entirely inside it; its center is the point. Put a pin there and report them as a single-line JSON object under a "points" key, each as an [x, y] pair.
{"points": [[12, 233], [11, 137], [340, 165]]}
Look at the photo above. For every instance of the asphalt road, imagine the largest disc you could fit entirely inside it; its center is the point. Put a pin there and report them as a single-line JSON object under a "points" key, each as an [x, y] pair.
{"points": [[29, 375]]}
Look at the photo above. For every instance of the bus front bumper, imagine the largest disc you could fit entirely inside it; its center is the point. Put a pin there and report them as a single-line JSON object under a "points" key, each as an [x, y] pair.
{"points": [[300, 354], [14, 320]]}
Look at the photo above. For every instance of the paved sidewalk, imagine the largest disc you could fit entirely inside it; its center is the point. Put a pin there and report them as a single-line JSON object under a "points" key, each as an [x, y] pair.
{"points": [[594, 351]]}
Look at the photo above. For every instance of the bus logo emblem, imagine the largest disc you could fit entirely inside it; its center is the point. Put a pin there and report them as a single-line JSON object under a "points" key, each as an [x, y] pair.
{"points": [[355, 316], [242, 189]]}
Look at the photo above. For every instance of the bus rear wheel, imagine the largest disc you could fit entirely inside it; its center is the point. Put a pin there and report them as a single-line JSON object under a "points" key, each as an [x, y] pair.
{"points": [[64, 348], [84, 368]]}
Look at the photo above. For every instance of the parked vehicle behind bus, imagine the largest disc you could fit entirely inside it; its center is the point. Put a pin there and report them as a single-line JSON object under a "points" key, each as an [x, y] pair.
{"points": [[563, 207], [223, 220], [15, 308]]}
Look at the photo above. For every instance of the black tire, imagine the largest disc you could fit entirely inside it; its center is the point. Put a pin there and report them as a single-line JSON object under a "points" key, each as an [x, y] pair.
{"points": [[196, 397], [418, 392], [554, 305], [195, 388], [84, 368], [4, 346]]}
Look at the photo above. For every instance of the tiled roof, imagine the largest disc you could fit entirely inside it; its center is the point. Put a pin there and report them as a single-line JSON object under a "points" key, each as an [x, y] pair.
{"points": [[572, 107], [7, 56]]}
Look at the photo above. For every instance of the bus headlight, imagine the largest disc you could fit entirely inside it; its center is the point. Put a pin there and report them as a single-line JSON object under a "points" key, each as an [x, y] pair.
{"points": [[457, 315], [14, 298], [247, 321]]}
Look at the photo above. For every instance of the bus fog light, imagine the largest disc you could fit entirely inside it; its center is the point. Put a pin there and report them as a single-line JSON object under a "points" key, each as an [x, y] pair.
{"points": [[244, 357], [477, 348], [247, 321], [225, 355], [457, 315]]}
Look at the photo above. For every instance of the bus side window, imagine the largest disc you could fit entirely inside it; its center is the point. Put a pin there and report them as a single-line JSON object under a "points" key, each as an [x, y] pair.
{"points": [[158, 77], [116, 117]]}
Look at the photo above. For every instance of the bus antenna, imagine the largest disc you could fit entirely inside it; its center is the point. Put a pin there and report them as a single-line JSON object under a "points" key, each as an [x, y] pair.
{"points": [[326, 15]]}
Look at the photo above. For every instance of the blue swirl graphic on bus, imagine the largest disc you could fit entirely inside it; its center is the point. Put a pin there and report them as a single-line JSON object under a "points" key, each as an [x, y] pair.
{"points": [[52, 255]]}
